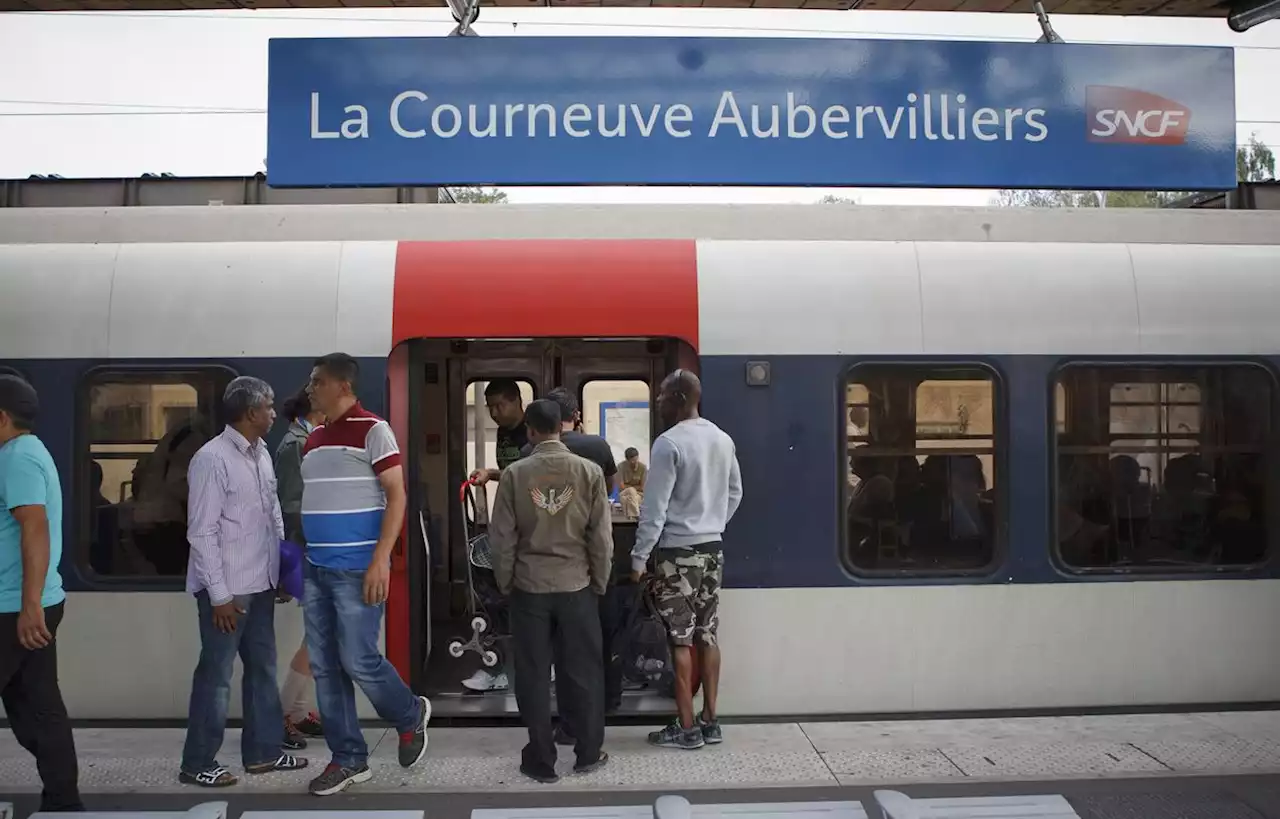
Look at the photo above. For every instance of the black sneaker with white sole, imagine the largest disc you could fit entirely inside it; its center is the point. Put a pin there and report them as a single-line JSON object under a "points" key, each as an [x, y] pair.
{"points": [[336, 779], [215, 777], [413, 744], [711, 732], [674, 736]]}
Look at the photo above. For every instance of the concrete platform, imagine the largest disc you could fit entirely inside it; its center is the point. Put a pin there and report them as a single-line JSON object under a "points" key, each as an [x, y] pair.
{"points": [[768, 755]]}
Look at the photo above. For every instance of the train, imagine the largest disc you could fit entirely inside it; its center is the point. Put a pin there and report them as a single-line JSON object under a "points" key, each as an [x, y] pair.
{"points": [[993, 459]]}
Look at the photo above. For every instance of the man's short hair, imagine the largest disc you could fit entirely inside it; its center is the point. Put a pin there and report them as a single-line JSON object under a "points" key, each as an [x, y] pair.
{"points": [[298, 405], [567, 401], [542, 416], [503, 388], [631, 452], [341, 367], [19, 401], [244, 394]]}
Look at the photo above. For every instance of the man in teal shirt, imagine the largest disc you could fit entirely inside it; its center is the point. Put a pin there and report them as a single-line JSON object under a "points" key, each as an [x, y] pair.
{"points": [[31, 597]]}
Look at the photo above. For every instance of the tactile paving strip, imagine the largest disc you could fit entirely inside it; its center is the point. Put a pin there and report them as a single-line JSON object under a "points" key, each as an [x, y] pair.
{"points": [[890, 766], [1052, 760], [1229, 753]]}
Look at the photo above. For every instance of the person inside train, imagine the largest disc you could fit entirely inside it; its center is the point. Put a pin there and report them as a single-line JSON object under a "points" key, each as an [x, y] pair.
{"points": [[160, 492], [632, 474], [551, 537], [32, 598], [300, 720], [694, 488], [506, 408], [235, 530], [353, 511]]}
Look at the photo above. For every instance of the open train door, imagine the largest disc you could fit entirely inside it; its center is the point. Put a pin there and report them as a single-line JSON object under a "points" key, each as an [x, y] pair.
{"points": [[546, 312]]}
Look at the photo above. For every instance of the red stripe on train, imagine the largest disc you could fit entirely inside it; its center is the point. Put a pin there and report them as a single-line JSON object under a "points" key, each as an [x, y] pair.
{"points": [[533, 288], [538, 288]]}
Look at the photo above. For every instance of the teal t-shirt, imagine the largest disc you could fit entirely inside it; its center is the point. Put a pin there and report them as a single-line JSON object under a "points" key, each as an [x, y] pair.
{"points": [[28, 478]]}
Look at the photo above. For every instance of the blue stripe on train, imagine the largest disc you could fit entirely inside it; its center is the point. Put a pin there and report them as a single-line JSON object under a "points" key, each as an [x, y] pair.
{"points": [[789, 442]]}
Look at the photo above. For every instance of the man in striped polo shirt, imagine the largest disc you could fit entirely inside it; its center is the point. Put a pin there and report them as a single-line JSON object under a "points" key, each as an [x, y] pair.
{"points": [[353, 507]]}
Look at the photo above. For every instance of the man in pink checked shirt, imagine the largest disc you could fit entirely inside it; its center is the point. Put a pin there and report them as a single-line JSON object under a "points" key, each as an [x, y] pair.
{"points": [[235, 528]]}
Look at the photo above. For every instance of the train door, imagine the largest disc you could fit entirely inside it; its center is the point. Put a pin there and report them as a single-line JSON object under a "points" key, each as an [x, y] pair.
{"points": [[452, 433]]}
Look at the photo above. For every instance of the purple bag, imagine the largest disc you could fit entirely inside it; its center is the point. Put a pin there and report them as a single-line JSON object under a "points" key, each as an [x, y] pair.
{"points": [[291, 569]]}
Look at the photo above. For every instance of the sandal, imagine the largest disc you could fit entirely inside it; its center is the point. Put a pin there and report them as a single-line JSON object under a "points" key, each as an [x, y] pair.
{"points": [[215, 777], [285, 762]]}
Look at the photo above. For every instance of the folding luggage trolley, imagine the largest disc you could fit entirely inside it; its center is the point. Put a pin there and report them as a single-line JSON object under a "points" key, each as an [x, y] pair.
{"points": [[485, 604]]}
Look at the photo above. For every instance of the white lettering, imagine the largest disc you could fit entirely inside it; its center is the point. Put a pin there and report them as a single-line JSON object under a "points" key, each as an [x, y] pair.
{"points": [[395, 114], [511, 112], [1033, 121], [772, 130], [897, 120], [862, 112], [316, 133], [533, 118], [1137, 124], [835, 114], [982, 117], [356, 127], [436, 116], [605, 130], [491, 130], [727, 100], [792, 111], [680, 113], [572, 116], [645, 125]]}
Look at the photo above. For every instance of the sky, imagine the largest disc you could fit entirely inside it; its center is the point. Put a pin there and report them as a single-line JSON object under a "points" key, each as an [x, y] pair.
{"points": [[118, 94]]}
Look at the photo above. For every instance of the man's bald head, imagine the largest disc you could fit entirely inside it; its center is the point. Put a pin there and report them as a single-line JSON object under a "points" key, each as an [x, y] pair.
{"points": [[678, 397]]}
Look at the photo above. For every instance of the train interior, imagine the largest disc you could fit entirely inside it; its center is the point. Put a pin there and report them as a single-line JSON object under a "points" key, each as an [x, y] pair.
{"points": [[452, 434]]}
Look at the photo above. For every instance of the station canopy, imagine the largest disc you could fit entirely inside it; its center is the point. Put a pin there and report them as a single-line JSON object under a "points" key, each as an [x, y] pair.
{"points": [[1162, 8]]}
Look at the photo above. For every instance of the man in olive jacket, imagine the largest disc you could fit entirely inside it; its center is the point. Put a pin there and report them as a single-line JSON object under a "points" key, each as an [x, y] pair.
{"points": [[552, 544]]}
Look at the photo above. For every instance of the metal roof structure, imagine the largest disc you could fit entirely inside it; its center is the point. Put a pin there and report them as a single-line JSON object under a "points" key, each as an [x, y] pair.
{"points": [[1162, 8]]}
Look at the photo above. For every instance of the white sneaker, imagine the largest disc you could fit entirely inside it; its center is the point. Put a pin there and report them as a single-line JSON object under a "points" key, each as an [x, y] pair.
{"points": [[480, 681], [553, 673], [500, 683]]}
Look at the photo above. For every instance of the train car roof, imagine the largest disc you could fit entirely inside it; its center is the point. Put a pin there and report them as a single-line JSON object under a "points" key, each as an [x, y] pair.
{"points": [[309, 223], [1162, 8]]}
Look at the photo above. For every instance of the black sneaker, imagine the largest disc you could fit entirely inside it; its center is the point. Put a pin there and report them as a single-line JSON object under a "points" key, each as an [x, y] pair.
{"points": [[711, 732], [543, 777], [310, 725], [593, 766], [336, 779], [674, 736], [215, 777], [413, 744], [293, 738], [563, 737]]}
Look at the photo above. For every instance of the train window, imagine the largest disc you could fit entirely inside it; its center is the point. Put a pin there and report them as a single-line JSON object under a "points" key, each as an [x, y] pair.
{"points": [[142, 430], [1163, 467], [619, 412], [921, 469], [482, 431]]}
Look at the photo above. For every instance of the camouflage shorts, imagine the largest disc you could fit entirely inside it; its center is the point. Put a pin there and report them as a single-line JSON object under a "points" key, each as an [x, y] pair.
{"points": [[687, 594]]}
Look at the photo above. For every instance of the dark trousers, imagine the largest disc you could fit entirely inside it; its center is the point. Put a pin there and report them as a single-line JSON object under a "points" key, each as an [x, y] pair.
{"points": [[563, 626], [255, 641], [33, 703]]}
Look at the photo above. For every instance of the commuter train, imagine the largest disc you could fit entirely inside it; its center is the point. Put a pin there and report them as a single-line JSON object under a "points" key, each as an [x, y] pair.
{"points": [[992, 459]]}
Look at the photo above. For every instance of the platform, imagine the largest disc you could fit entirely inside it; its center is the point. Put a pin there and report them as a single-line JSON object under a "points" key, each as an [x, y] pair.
{"points": [[754, 755]]}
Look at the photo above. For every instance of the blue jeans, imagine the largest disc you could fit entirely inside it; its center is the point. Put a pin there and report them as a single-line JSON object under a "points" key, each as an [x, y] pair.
{"points": [[255, 641], [342, 640]]}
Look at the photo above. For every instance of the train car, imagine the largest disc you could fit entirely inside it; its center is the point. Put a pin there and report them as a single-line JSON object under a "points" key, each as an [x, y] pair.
{"points": [[993, 459]]}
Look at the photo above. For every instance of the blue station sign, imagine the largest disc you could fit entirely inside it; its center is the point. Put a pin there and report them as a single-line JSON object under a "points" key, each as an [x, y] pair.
{"points": [[712, 111]]}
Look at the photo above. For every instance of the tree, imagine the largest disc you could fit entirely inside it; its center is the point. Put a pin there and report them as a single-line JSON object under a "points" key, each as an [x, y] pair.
{"points": [[478, 195], [832, 199], [1254, 163]]}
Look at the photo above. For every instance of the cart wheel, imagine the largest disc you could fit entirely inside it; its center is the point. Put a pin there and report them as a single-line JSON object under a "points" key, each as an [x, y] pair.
{"points": [[489, 658], [456, 649], [479, 624]]}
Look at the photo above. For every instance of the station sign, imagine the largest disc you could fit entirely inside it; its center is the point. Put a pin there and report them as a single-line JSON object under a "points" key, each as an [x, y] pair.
{"points": [[748, 111]]}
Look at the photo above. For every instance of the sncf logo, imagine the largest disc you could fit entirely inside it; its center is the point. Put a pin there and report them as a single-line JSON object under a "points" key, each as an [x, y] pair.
{"points": [[1123, 115]]}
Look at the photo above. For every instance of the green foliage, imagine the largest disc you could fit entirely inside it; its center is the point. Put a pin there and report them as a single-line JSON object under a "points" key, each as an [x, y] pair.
{"points": [[478, 195]]}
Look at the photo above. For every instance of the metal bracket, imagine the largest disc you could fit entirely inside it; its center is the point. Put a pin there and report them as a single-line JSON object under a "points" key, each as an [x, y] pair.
{"points": [[1042, 17], [465, 13]]}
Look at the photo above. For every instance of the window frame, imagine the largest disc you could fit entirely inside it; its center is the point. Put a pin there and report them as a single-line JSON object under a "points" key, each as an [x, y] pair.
{"points": [[82, 456], [1271, 515], [999, 459]]}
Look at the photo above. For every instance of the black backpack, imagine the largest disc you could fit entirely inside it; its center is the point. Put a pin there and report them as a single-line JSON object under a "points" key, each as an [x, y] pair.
{"points": [[643, 646]]}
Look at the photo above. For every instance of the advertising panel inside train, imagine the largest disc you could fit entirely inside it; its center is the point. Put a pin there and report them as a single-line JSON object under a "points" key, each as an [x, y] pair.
{"points": [[726, 111]]}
